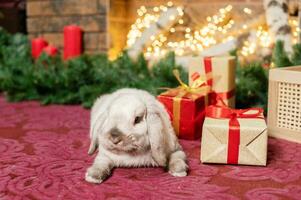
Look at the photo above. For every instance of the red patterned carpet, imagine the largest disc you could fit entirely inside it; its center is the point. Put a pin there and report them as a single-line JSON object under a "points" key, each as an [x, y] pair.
{"points": [[43, 155]]}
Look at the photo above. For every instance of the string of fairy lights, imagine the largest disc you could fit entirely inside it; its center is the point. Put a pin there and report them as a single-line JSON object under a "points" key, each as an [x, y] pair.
{"points": [[196, 41], [184, 39]]}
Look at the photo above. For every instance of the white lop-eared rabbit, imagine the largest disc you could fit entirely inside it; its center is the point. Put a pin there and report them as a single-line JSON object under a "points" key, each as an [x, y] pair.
{"points": [[130, 128]]}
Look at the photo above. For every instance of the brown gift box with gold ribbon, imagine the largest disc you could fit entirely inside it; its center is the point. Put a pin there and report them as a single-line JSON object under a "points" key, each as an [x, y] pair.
{"points": [[186, 108], [220, 76]]}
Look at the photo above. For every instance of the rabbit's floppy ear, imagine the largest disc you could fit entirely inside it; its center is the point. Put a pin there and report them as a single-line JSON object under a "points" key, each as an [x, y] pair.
{"points": [[162, 138], [98, 117], [96, 128]]}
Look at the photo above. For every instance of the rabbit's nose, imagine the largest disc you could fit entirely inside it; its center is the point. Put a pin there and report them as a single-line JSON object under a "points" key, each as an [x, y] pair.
{"points": [[115, 136]]}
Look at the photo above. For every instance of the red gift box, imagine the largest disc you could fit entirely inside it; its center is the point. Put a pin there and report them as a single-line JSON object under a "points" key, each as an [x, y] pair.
{"points": [[186, 107], [188, 119]]}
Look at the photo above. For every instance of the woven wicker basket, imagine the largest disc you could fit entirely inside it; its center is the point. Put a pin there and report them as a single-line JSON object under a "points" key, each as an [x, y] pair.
{"points": [[284, 107]]}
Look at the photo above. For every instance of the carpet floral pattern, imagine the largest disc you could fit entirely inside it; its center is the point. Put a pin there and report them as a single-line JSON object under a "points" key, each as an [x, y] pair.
{"points": [[43, 151]]}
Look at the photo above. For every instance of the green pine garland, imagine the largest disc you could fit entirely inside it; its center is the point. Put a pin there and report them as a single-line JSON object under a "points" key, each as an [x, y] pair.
{"points": [[81, 80], [77, 81], [282, 59], [251, 86], [252, 79]]}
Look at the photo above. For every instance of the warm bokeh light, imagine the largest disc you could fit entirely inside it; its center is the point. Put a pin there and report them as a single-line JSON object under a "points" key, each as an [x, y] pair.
{"points": [[185, 40]]}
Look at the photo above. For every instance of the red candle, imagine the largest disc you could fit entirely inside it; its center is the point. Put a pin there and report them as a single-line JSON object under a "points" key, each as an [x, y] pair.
{"points": [[37, 46], [72, 41], [50, 50]]}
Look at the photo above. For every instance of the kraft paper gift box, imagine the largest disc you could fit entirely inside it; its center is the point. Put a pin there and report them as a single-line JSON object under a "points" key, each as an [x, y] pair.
{"points": [[234, 136], [219, 72]]}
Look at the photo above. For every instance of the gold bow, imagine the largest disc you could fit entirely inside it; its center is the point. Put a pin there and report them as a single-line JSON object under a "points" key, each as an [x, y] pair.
{"points": [[200, 88]]}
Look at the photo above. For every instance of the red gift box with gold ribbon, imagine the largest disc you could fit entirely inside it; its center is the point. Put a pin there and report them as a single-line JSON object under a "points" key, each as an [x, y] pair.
{"points": [[234, 136], [186, 108], [219, 72]]}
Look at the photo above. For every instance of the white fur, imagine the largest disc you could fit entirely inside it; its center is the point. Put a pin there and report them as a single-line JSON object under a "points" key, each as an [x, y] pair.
{"points": [[123, 143], [131, 161]]}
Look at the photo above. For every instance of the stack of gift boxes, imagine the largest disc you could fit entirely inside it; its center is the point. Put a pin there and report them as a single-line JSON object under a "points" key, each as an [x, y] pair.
{"points": [[205, 109]]}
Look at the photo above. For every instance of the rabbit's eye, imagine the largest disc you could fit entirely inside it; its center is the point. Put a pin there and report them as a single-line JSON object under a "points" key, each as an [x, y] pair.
{"points": [[138, 119]]}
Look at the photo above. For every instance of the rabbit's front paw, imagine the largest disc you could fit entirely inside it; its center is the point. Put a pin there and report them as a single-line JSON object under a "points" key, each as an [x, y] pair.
{"points": [[178, 174], [96, 175], [177, 164], [178, 168]]}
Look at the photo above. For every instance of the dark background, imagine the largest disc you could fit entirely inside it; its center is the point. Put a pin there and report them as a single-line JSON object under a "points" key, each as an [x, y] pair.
{"points": [[13, 15]]}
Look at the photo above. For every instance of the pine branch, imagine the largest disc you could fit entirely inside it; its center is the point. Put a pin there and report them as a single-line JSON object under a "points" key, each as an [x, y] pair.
{"points": [[280, 57]]}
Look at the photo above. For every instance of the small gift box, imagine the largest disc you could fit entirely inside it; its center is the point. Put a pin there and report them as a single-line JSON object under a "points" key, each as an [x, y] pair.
{"points": [[186, 108], [220, 76], [234, 136]]}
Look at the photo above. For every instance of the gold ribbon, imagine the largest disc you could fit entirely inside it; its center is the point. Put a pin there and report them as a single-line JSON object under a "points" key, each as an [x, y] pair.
{"points": [[183, 90], [195, 91]]}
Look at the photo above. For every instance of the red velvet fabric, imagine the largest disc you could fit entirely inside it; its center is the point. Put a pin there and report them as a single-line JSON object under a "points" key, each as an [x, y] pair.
{"points": [[43, 155]]}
